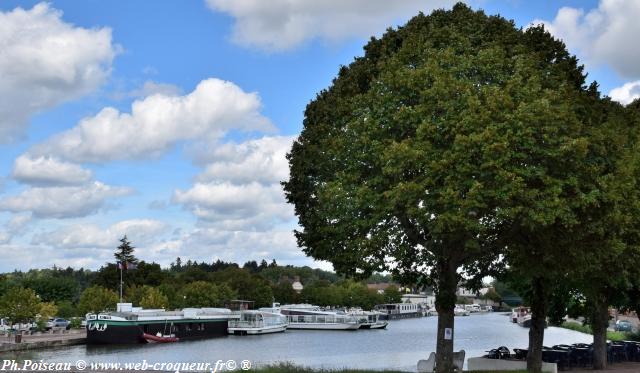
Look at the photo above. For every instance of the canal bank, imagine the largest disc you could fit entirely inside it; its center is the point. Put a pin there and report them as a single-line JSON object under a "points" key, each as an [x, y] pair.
{"points": [[43, 340]]}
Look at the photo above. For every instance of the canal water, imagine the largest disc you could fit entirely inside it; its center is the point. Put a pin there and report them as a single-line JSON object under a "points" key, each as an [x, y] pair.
{"points": [[399, 346]]}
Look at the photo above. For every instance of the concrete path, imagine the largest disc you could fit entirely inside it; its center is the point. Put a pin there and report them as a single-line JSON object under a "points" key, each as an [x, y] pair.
{"points": [[29, 342]]}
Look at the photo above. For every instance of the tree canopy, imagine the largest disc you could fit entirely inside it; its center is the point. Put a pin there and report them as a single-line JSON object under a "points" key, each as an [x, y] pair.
{"points": [[454, 137], [124, 253]]}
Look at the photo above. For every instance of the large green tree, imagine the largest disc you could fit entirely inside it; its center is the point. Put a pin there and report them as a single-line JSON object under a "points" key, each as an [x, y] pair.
{"points": [[97, 299], [206, 294], [19, 305], [612, 232], [453, 137], [153, 298]]}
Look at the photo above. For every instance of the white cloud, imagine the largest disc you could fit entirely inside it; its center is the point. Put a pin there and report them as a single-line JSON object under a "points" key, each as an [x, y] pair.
{"points": [[250, 206], [627, 93], [211, 244], [262, 160], [150, 88], [48, 171], [158, 122], [138, 231], [15, 226], [63, 202], [44, 62], [605, 35], [239, 188], [284, 24]]}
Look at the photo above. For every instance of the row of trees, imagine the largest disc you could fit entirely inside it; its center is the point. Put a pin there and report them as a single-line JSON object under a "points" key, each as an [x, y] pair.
{"points": [[67, 292], [459, 146]]}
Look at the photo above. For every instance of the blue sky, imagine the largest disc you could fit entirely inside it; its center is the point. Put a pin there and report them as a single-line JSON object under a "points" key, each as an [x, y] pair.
{"points": [[168, 121]]}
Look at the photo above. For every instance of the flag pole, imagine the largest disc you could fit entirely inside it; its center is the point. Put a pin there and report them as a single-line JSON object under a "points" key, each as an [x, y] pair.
{"points": [[120, 265]]}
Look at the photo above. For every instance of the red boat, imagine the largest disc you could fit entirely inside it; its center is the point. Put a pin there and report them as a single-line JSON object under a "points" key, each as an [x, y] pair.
{"points": [[150, 338]]}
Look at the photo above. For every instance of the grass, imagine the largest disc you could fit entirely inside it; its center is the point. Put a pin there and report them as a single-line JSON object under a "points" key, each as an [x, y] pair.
{"points": [[291, 368], [613, 336]]}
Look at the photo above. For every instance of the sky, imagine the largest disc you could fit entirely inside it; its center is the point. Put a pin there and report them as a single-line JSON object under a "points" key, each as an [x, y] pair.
{"points": [[169, 120]]}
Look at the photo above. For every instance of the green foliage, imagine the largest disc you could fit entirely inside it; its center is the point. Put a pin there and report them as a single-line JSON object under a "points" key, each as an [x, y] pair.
{"points": [[75, 323], [206, 294], [493, 295], [269, 282], [611, 335], [153, 298], [392, 295], [97, 299], [47, 310], [247, 286], [67, 310], [19, 305], [347, 293], [283, 293], [124, 252], [306, 274], [52, 289]]}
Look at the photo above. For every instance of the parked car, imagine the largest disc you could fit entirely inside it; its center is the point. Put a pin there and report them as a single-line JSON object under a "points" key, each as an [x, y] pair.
{"points": [[623, 326], [58, 323]]}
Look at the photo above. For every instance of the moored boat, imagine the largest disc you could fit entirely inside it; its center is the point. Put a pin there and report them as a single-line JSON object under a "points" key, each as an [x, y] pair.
{"points": [[369, 319], [460, 311], [310, 317], [160, 338], [129, 324], [258, 322], [392, 311], [522, 316]]}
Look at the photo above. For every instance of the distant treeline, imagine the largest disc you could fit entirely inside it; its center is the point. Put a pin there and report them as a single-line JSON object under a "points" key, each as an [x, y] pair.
{"points": [[193, 284]]}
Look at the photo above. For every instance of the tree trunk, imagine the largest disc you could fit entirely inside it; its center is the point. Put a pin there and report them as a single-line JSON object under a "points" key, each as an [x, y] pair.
{"points": [[445, 303], [539, 300], [599, 323]]}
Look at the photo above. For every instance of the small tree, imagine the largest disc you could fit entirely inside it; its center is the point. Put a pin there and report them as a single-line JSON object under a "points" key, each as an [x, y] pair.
{"points": [[19, 305], [153, 298], [47, 310], [392, 294], [97, 299], [201, 294], [493, 296], [284, 293], [124, 252]]}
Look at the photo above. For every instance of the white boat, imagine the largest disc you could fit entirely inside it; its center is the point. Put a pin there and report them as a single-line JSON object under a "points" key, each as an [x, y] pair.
{"points": [[400, 310], [460, 311], [522, 316], [369, 319], [473, 308], [258, 322], [306, 316], [514, 316]]}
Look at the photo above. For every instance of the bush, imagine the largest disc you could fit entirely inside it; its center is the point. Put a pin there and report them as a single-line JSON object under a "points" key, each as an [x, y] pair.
{"points": [[75, 323]]}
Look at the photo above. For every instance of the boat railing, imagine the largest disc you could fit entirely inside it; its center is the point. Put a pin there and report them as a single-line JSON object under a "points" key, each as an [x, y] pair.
{"points": [[246, 323], [322, 319]]}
